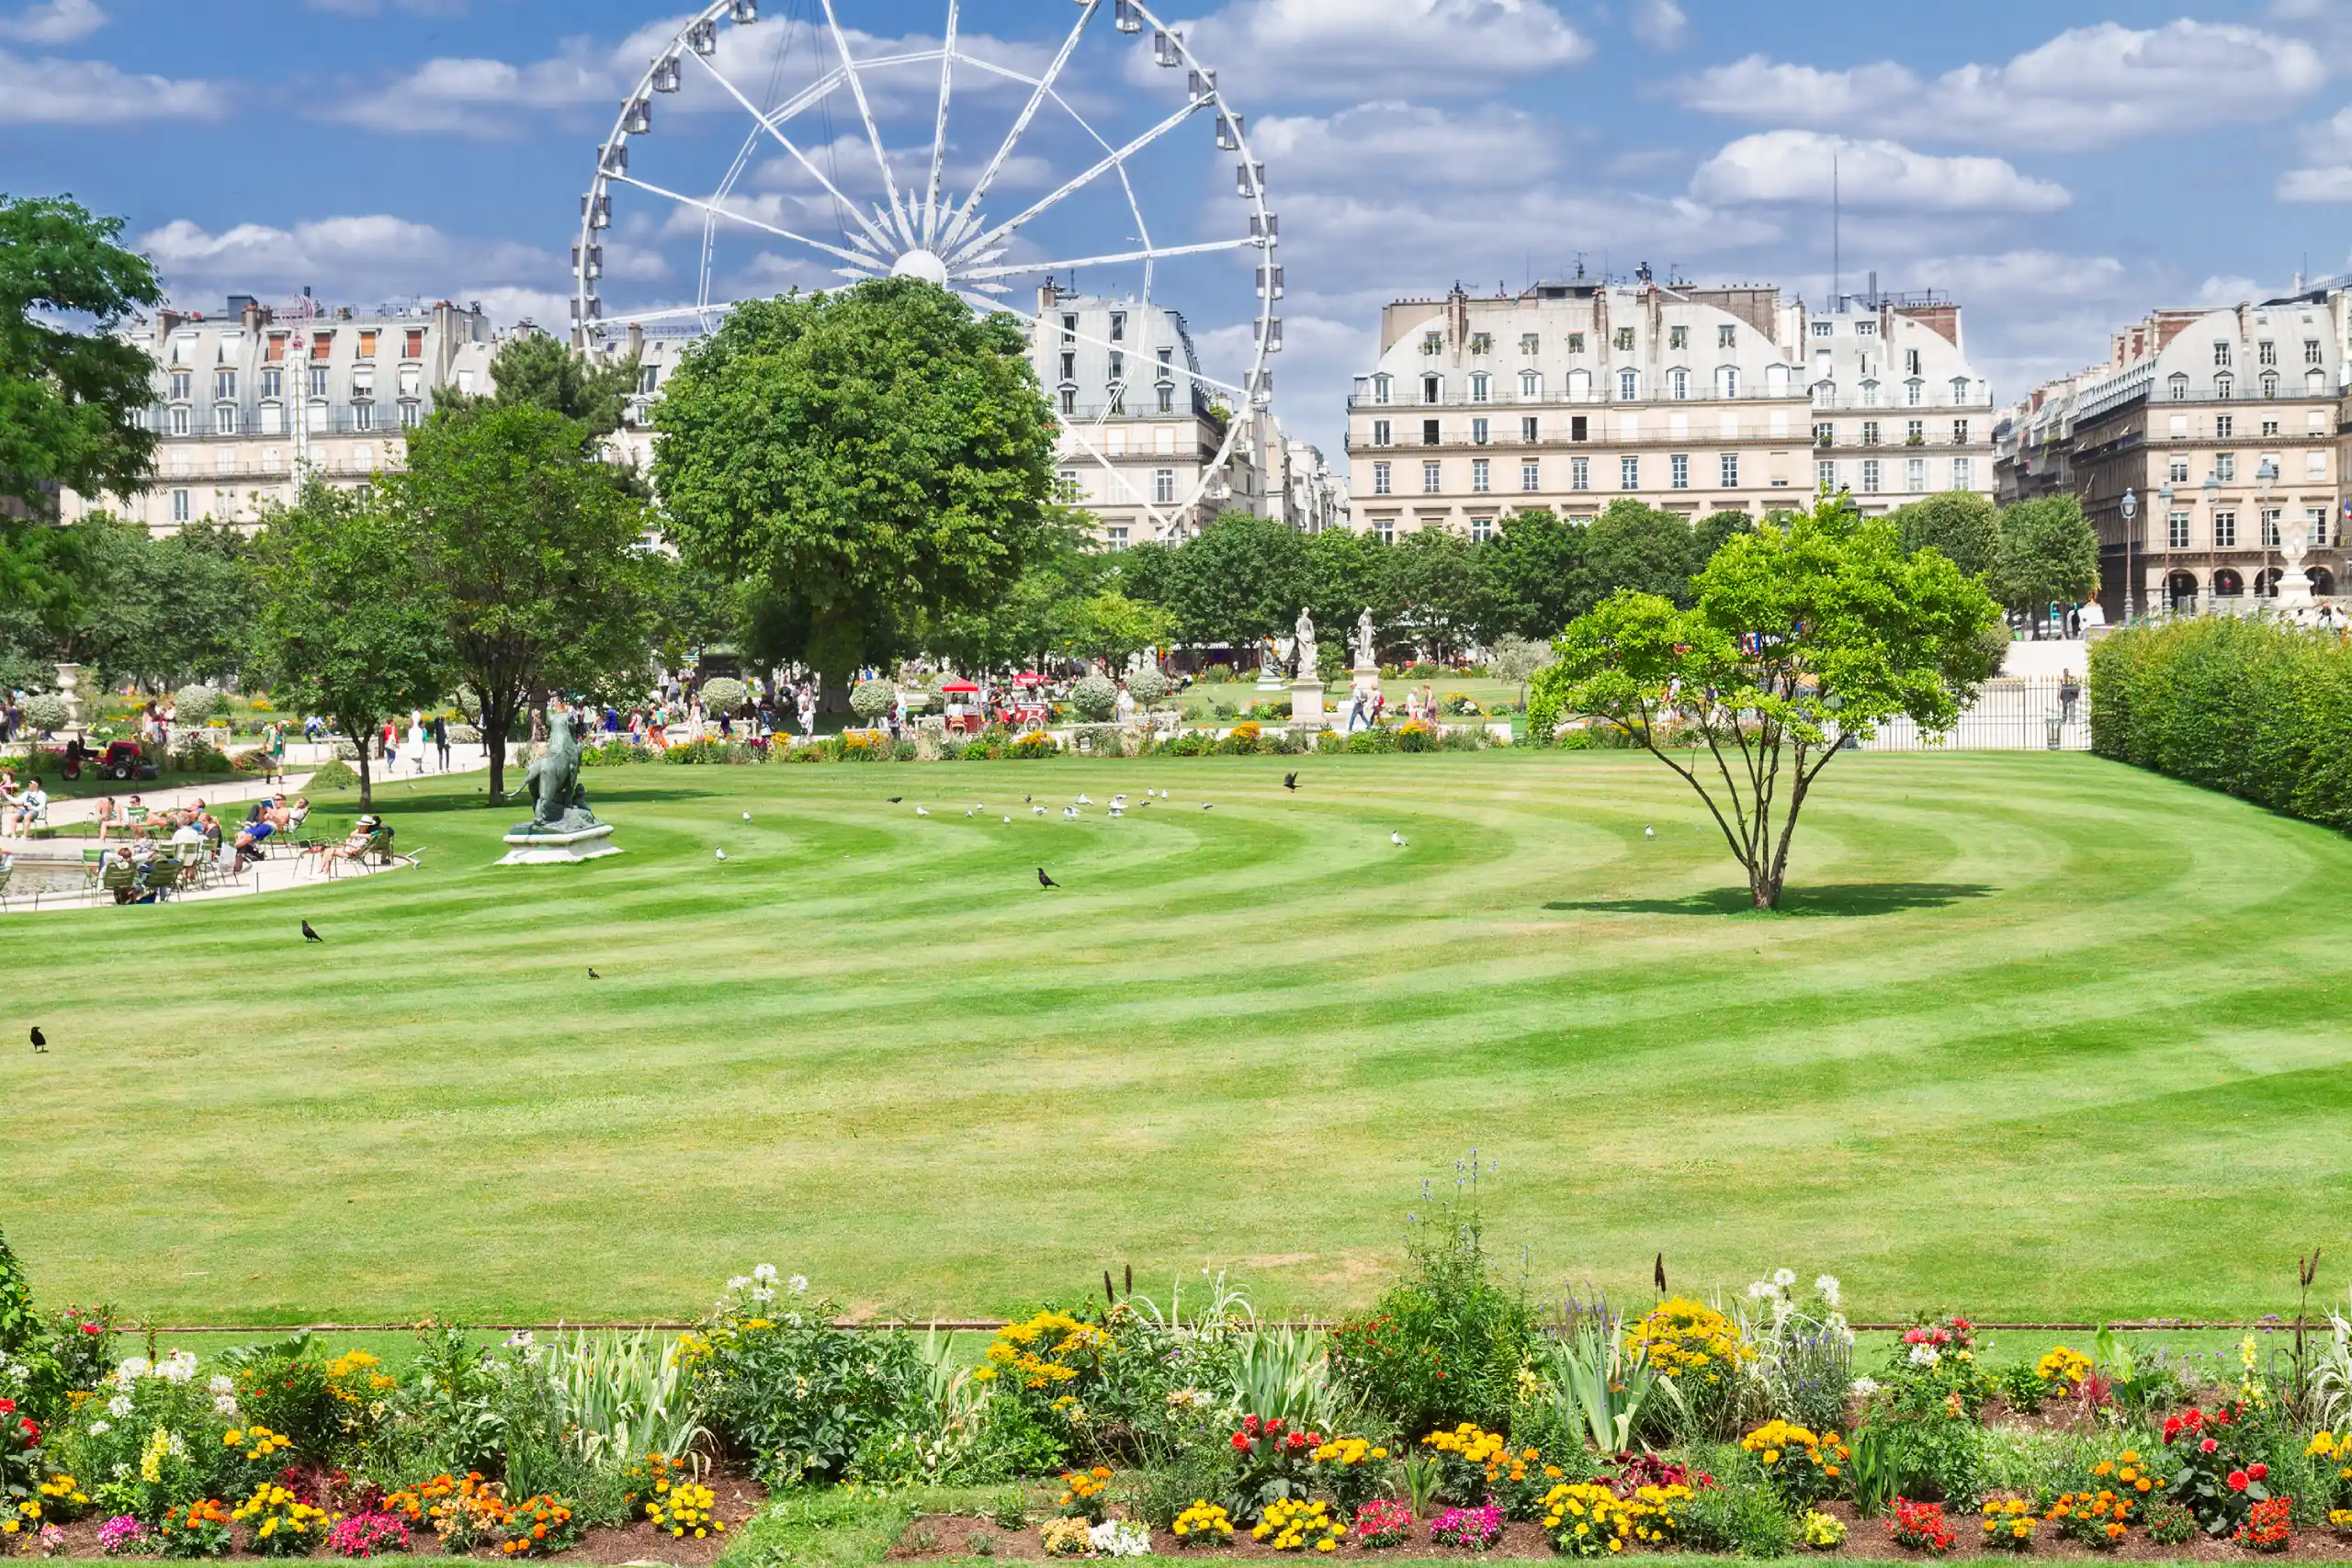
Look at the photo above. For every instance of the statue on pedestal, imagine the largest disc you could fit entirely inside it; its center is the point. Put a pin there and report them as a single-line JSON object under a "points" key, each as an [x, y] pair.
{"points": [[1367, 655], [1305, 647], [559, 804]]}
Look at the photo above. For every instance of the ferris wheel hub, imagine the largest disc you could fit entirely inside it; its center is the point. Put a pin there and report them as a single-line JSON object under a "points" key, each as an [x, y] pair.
{"points": [[929, 265]]}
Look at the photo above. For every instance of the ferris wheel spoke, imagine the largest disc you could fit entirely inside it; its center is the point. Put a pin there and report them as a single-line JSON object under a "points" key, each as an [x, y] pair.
{"points": [[771, 127], [872, 131], [1043, 88], [745, 219], [1244, 243], [1110, 160], [939, 131]]}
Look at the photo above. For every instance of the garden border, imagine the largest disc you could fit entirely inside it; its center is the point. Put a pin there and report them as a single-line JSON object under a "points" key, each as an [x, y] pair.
{"points": [[990, 1325]]}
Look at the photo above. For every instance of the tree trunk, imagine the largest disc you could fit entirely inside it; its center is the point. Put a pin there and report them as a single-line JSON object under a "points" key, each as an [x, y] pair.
{"points": [[366, 784], [494, 727]]}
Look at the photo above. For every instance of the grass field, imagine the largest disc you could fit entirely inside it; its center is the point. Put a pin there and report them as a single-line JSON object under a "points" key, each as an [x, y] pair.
{"points": [[2039, 1036]]}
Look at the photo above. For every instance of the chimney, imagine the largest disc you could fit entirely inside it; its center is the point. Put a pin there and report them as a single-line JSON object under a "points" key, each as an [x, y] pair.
{"points": [[637, 340], [167, 322]]}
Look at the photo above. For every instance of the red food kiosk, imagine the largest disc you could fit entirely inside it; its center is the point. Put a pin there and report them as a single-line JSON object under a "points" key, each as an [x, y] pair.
{"points": [[1030, 709], [962, 700]]}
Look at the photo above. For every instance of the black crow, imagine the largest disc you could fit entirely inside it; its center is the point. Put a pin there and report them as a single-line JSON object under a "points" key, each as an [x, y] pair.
{"points": [[310, 935], [1290, 781], [1045, 881], [41, 1041]]}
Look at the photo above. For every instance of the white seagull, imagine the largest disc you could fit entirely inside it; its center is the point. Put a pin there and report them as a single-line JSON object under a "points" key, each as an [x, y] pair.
{"points": [[1069, 813], [1008, 822], [722, 854], [1208, 806], [747, 816], [1397, 839], [1082, 800], [1036, 811], [1648, 831], [920, 811]]}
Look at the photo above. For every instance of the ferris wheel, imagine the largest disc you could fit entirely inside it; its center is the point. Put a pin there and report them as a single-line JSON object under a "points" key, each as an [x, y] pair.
{"points": [[794, 151]]}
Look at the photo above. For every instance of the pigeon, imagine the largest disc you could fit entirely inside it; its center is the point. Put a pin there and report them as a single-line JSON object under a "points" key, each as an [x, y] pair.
{"points": [[1082, 800], [1290, 781], [920, 812], [1036, 811], [1045, 881], [721, 854], [1208, 806], [1024, 800], [896, 799], [310, 935], [1648, 831], [1397, 839], [41, 1041], [1069, 813], [592, 972]]}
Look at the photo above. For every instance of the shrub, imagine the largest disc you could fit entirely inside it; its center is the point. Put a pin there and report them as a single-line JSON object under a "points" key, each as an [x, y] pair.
{"points": [[2009, 1525], [337, 774], [1413, 735], [196, 704], [1094, 696], [1474, 1528], [1444, 1345], [1587, 1520], [2248, 707], [280, 1523], [2267, 1527], [1803, 1466], [1382, 1523], [1696, 1353], [1740, 1516], [871, 699], [2211, 1478], [1374, 740], [1146, 685], [723, 693], [1822, 1532], [198, 1529], [46, 710], [1241, 740]]}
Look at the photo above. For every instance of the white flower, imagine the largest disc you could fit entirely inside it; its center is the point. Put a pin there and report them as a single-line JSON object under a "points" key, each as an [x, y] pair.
{"points": [[765, 1273], [1118, 1538], [119, 1407], [1864, 1387], [225, 1402], [100, 1428], [1760, 1289], [1781, 1309], [1925, 1355], [798, 1284], [222, 1383], [132, 1369], [177, 1367], [519, 1341], [740, 1282], [1827, 1285], [1784, 1277]]}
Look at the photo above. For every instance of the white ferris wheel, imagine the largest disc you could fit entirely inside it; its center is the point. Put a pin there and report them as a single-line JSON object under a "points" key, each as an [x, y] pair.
{"points": [[796, 150]]}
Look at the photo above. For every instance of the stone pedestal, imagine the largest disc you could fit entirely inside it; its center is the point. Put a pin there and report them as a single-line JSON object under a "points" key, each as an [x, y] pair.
{"points": [[559, 848], [1270, 676], [1366, 679], [1307, 703]]}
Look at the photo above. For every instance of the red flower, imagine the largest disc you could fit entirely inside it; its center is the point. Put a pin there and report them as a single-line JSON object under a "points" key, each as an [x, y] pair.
{"points": [[1296, 1441], [1251, 1424], [2172, 1428], [2257, 1472], [2208, 1446], [1274, 1428], [1242, 1442], [31, 1432], [7, 1407], [91, 1328], [2237, 1481]]}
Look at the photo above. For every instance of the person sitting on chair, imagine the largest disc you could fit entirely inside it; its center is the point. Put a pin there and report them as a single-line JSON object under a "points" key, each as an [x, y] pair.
{"points": [[269, 818], [362, 838], [110, 814]]}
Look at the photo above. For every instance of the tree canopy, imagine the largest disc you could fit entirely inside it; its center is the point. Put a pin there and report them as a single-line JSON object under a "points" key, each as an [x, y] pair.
{"points": [[1961, 523], [536, 551], [1795, 634], [2048, 551], [872, 457], [540, 370]]}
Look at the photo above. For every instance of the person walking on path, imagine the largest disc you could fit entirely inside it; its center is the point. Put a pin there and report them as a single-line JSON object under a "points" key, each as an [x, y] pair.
{"points": [[439, 730], [415, 742], [2070, 692]]}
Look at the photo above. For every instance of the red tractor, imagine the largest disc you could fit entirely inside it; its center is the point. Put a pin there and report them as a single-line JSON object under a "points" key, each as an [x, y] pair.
{"points": [[120, 760]]}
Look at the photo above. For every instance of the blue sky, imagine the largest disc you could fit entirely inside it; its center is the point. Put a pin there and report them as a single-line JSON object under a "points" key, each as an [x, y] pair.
{"points": [[2058, 168]]}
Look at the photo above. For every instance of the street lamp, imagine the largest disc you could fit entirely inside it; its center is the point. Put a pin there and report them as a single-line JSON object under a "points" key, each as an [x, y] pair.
{"points": [[2131, 511]]}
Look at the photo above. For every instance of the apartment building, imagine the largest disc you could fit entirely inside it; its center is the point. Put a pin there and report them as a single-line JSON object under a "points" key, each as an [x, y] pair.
{"points": [[1568, 396], [244, 398], [2226, 428]]}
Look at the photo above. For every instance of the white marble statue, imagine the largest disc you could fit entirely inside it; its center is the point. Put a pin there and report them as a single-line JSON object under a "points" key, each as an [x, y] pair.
{"points": [[1305, 646]]}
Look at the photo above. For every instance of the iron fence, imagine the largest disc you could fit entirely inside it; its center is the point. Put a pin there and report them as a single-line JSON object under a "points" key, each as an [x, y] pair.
{"points": [[2027, 713]]}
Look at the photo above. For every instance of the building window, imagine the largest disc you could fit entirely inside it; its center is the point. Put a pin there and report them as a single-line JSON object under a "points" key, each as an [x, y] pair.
{"points": [[1529, 343], [224, 385], [2317, 517], [1433, 343], [1825, 394], [1825, 474], [1118, 537], [1629, 473], [1069, 399], [1531, 476], [2223, 386], [1482, 388], [2178, 386], [1915, 432], [182, 385], [2225, 466], [2176, 530], [1069, 491], [1870, 394], [363, 416], [1530, 384], [1824, 434], [1527, 428], [1163, 485], [179, 506], [1726, 336], [1380, 433], [1577, 426], [1432, 389], [1677, 471], [1477, 432], [1069, 367], [1480, 481], [1914, 475], [1914, 394], [1625, 340], [412, 415], [1576, 343], [1963, 473], [2221, 355], [273, 383], [1629, 386], [1727, 380], [2177, 473], [2311, 354], [1677, 337], [1731, 470], [2265, 353], [1431, 478], [2225, 530], [2224, 426], [224, 420], [1822, 329], [179, 422], [2315, 464], [1386, 529], [1866, 328], [1580, 473], [1381, 385], [2269, 428], [1870, 433], [2270, 528], [1118, 326], [1167, 398], [1870, 475], [1430, 436], [1380, 485], [1678, 384]]}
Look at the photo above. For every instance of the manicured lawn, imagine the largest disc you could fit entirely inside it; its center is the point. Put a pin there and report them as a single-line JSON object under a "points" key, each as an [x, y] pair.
{"points": [[2041, 1036]]}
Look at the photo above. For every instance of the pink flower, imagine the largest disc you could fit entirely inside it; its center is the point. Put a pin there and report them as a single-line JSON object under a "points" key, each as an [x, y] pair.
{"points": [[2208, 1446]]}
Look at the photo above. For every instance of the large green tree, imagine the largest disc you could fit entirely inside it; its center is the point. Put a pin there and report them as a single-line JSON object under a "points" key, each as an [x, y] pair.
{"points": [[350, 624], [1795, 635], [1961, 523], [536, 554], [875, 457], [1435, 590], [155, 609], [1631, 546], [540, 370], [2048, 551], [1534, 572], [1241, 578]]}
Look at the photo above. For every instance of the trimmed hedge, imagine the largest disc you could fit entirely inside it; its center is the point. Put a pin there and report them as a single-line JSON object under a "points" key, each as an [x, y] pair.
{"points": [[2252, 707]]}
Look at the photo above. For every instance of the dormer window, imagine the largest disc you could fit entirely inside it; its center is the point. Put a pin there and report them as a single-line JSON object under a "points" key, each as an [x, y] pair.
{"points": [[1118, 326], [1866, 328], [1432, 343], [1383, 388]]}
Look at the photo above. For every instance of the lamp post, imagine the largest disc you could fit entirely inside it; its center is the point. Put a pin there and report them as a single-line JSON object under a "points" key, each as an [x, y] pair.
{"points": [[2131, 511]]}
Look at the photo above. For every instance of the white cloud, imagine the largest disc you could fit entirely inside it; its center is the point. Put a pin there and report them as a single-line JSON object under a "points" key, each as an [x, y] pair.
{"points": [[481, 97], [53, 22], [1796, 166], [1490, 146], [360, 259], [2327, 174], [2225, 290], [1359, 49], [2091, 86], [1660, 23], [91, 92], [1990, 282]]}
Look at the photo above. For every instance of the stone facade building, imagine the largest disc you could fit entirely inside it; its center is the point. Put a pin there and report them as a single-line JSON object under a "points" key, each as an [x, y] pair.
{"points": [[1569, 396], [2226, 428]]}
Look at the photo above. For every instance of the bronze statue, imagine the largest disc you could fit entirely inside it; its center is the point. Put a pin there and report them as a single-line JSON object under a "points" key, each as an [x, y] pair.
{"points": [[558, 803]]}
